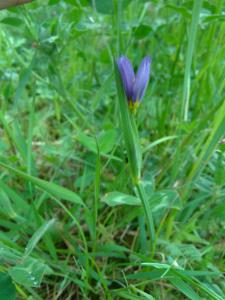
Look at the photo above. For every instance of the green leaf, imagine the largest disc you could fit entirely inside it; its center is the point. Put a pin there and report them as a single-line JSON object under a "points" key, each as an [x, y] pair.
{"points": [[12, 21], [29, 273], [106, 141], [117, 198], [6, 206], [49, 187], [165, 199], [181, 10], [104, 7], [74, 15], [123, 294], [142, 31], [108, 6], [159, 141], [53, 2], [184, 288], [7, 288], [152, 275], [9, 255], [37, 236], [160, 200], [24, 79], [87, 141], [18, 203]]}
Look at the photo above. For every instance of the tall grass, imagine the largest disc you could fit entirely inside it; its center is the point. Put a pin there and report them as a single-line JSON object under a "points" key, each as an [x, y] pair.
{"points": [[72, 223]]}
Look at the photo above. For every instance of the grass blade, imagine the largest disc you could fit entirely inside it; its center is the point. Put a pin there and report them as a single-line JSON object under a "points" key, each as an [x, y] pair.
{"points": [[184, 288], [49, 187], [190, 50], [37, 236]]}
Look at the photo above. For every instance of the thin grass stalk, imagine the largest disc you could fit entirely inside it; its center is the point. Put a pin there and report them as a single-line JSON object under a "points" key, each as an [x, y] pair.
{"points": [[97, 195], [190, 50]]}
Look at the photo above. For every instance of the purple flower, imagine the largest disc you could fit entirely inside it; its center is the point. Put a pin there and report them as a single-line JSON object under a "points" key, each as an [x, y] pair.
{"points": [[134, 86]]}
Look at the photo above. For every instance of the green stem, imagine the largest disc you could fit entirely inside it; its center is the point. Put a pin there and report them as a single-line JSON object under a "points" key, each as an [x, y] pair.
{"points": [[170, 223], [149, 216], [97, 196]]}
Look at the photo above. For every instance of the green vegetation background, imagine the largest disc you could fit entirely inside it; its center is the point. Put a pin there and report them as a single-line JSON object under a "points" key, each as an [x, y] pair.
{"points": [[71, 224]]}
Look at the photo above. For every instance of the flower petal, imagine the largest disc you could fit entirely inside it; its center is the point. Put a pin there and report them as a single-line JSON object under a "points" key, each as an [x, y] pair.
{"points": [[127, 75], [141, 80]]}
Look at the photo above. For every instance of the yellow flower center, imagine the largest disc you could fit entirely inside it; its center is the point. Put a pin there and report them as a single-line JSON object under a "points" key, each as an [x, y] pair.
{"points": [[133, 105]]}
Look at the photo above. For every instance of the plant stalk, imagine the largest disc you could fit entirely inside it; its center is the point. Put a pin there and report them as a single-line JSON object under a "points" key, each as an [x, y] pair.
{"points": [[148, 213]]}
